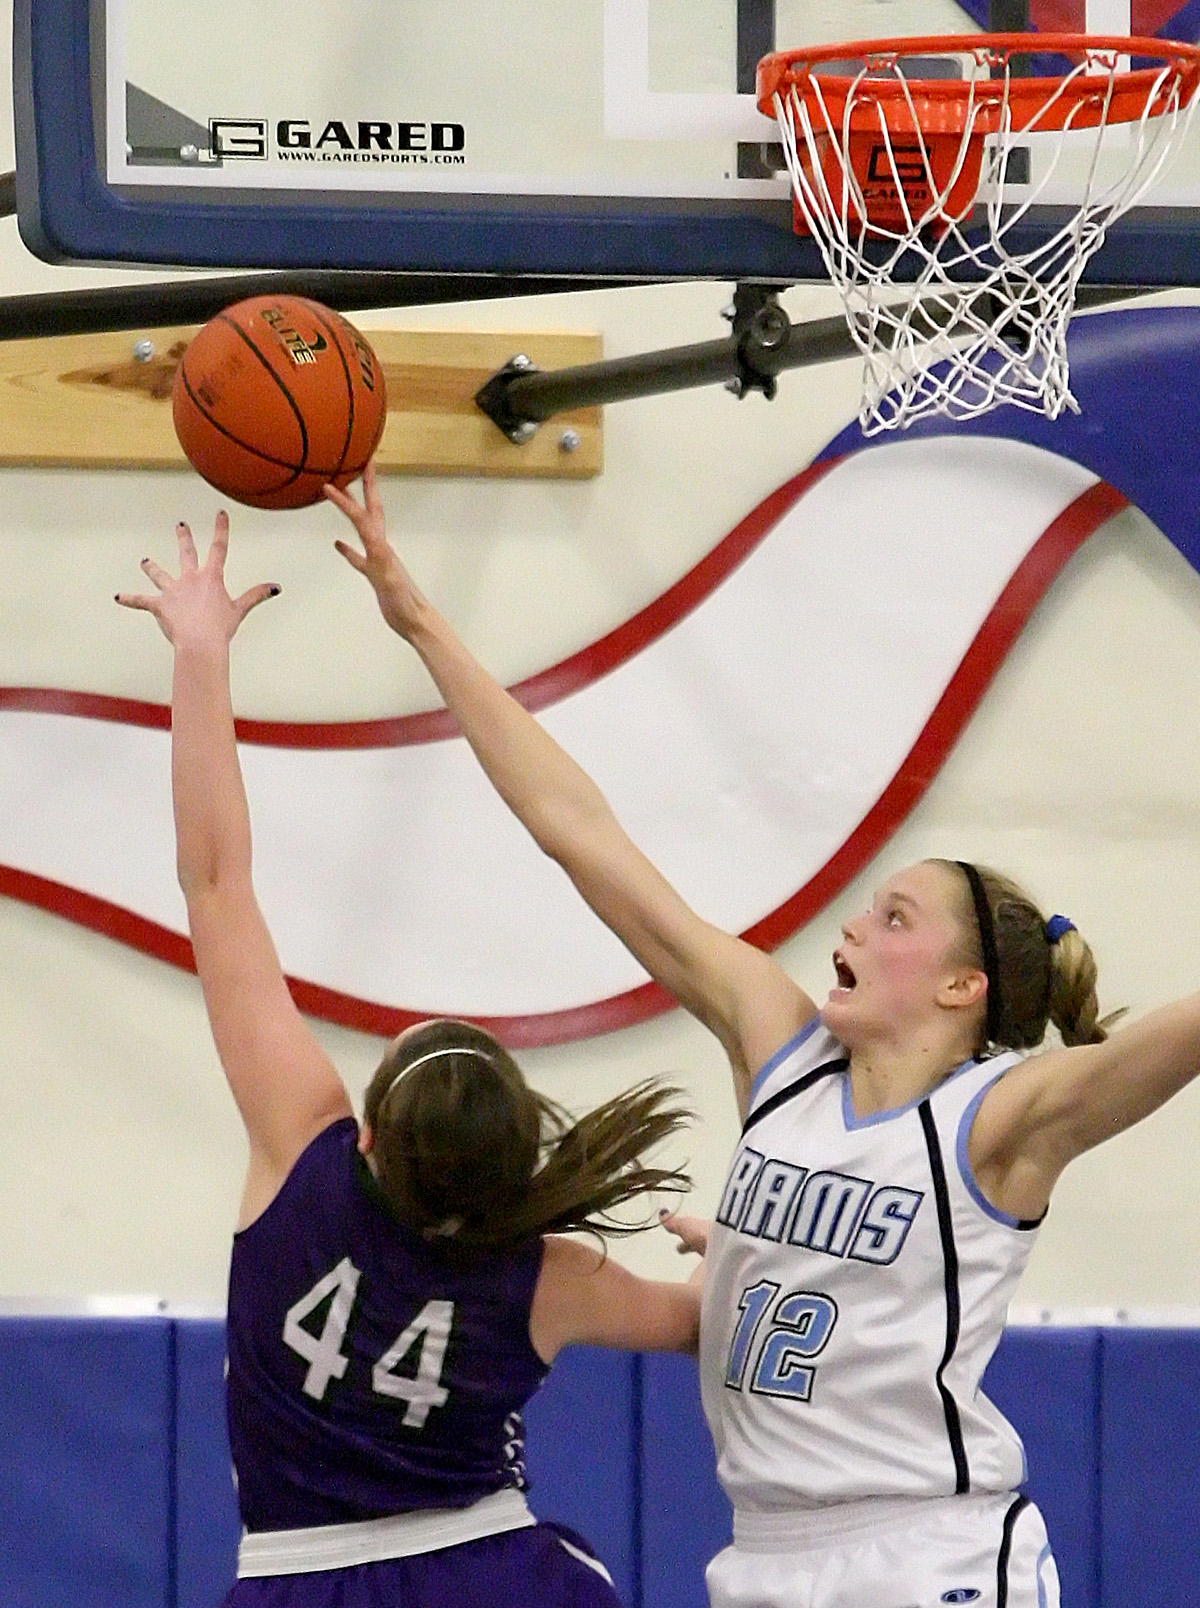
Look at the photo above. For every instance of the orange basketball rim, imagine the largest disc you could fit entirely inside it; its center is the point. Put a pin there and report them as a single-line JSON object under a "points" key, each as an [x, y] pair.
{"points": [[904, 139]]}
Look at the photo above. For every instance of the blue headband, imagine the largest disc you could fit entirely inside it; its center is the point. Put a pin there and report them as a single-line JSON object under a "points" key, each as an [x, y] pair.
{"points": [[1057, 926]]}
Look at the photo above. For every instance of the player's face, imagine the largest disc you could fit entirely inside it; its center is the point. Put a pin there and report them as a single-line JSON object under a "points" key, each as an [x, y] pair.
{"points": [[895, 958]]}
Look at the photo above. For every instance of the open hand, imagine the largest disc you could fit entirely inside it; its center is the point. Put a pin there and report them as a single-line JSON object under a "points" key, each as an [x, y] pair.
{"points": [[194, 605], [399, 599]]}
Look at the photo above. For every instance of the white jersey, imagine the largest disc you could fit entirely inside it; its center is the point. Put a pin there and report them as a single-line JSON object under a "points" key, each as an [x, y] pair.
{"points": [[857, 1284]]}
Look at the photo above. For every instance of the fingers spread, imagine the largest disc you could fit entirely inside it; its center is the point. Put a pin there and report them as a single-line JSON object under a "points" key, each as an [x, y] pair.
{"points": [[370, 490], [355, 560], [187, 547], [220, 542], [342, 500], [156, 573], [254, 596]]}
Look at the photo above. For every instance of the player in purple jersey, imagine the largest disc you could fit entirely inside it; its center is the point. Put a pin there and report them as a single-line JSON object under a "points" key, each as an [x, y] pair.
{"points": [[397, 1290], [940, 986]]}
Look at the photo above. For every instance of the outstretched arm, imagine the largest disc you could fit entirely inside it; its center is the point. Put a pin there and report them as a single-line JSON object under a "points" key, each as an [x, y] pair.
{"points": [[584, 1298], [1054, 1106], [285, 1086], [738, 992]]}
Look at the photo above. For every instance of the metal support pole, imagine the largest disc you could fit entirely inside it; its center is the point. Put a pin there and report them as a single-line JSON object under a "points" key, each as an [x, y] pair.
{"points": [[520, 397]]}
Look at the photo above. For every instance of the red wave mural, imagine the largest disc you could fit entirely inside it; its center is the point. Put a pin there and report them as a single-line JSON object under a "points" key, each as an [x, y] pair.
{"points": [[963, 693]]}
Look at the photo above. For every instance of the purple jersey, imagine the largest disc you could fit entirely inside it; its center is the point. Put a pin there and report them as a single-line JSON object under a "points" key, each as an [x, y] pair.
{"points": [[368, 1373]]}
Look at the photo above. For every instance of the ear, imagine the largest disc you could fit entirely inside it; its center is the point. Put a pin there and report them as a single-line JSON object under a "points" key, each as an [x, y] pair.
{"points": [[366, 1140], [962, 989]]}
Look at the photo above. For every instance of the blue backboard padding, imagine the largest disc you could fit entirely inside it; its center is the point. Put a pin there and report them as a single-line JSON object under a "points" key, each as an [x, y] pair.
{"points": [[686, 1517], [1046, 1382], [581, 1456], [1150, 1508], [207, 1525], [85, 1432]]}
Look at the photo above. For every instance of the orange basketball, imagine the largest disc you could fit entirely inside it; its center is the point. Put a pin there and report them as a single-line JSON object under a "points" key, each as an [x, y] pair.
{"points": [[275, 397]]}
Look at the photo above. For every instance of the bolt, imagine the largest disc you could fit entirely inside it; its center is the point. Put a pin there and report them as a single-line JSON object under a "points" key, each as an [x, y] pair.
{"points": [[736, 386], [729, 313], [523, 432], [143, 350], [569, 441], [189, 153], [771, 327], [520, 362]]}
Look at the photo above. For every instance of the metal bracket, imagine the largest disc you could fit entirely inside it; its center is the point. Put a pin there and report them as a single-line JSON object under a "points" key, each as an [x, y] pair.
{"points": [[760, 330], [493, 399]]}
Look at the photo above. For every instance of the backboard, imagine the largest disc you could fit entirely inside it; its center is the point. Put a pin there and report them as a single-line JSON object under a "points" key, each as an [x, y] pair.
{"points": [[598, 138]]}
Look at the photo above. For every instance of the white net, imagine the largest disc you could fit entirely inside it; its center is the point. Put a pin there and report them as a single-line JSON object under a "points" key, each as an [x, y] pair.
{"points": [[954, 310]]}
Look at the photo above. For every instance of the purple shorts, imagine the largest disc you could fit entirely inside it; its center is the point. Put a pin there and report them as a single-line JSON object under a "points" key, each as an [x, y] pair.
{"points": [[543, 1566]]}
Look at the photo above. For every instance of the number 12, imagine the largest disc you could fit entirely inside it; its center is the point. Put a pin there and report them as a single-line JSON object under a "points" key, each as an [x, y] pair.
{"points": [[800, 1327]]}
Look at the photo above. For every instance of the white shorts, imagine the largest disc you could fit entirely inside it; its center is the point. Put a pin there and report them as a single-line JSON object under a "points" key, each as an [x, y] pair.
{"points": [[977, 1551]]}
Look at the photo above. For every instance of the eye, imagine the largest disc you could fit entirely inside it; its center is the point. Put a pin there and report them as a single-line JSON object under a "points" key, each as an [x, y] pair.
{"points": [[895, 917]]}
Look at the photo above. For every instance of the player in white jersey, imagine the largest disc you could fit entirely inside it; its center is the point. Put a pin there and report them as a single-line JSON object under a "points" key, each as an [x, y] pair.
{"points": [[898, 1152]]}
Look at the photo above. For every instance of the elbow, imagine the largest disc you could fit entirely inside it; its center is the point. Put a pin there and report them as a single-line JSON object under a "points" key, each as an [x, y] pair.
{"points": [[198, 875]]}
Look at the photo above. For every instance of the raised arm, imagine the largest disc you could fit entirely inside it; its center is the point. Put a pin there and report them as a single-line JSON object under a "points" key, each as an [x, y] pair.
{"points": [[285, 1086], [1051, 1108], [738, 992]]}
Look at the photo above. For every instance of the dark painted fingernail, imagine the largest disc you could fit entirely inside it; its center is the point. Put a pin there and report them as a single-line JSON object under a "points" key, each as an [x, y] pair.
{"points": [[664, 1211], [274, 591]]}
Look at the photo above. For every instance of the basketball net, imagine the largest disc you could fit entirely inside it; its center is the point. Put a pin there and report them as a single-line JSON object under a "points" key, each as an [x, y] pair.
{"points": [[980, 317]]}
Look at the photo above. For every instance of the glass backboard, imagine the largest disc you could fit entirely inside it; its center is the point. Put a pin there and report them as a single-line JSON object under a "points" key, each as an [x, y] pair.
{"points": [[582, 137]]}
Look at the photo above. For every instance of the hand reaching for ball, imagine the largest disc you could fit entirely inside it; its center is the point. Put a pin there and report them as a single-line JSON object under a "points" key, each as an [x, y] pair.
{"points": [[400, 602], [194, 607]]}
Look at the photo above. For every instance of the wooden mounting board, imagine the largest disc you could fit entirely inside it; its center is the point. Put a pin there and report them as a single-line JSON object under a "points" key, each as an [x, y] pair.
{"points": [[85, 401]]}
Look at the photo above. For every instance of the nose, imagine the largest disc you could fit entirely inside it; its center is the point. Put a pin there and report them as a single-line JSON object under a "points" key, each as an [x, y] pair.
{"points": [[852, 927]]}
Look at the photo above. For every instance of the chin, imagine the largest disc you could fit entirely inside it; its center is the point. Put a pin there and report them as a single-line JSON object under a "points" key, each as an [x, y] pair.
{"points": [[838, 1017]]}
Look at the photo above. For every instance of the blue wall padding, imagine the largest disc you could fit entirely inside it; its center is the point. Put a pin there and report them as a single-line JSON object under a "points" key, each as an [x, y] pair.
{"points": [[85, 1493], [1150, 1503], [686, 1517], [581, 1456], [116, 1491], [207, 1525], [1046, 1382]]}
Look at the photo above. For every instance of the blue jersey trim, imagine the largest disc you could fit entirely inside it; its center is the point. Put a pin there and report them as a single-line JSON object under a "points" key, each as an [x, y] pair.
{"points": [[853, 1122], [781, 1055], [1022, 1224], [964, 1162]]}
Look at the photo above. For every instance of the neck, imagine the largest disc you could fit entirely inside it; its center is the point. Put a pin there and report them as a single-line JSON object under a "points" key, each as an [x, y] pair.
{"points": [[885, 1075]]}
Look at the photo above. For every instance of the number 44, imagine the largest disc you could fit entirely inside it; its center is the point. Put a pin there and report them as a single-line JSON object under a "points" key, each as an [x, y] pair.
{"points": [[430, 1329]]}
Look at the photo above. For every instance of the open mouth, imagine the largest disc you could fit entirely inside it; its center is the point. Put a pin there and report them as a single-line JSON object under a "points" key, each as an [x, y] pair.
{"points": [[845, 977]]}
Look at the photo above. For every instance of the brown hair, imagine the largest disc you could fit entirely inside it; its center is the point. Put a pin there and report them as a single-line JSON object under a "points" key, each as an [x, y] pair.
{"points": [[1040, 980], [463, 1147]]}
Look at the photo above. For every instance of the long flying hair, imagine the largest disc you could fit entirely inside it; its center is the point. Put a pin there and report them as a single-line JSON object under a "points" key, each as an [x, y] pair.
{"points": [[464, 1148]]}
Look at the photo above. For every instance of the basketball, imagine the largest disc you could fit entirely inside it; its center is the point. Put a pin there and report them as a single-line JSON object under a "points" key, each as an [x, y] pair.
{"points": [[275, 397]]}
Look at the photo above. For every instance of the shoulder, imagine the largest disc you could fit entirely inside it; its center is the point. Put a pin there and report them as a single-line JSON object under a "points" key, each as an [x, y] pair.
{"points": [[808, 1055], [310, 1179]]}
